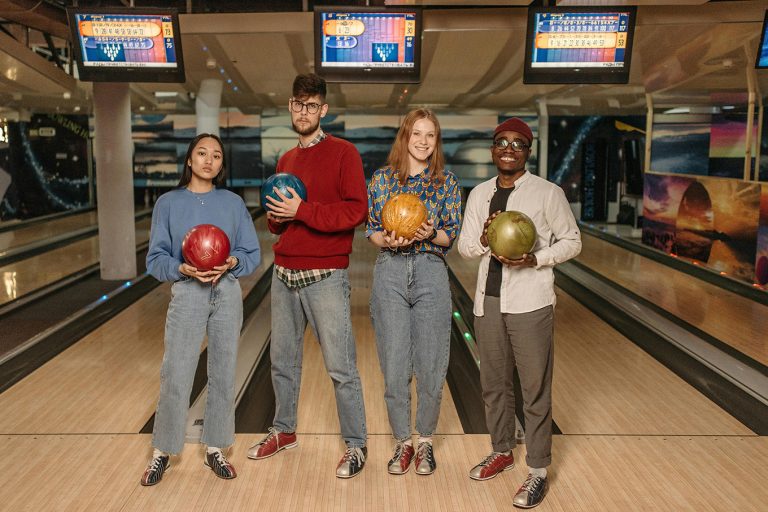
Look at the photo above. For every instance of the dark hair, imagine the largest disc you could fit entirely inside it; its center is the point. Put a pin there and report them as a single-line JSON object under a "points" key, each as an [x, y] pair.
{"points": [[186, 174], [397, 161], [309, 85]]}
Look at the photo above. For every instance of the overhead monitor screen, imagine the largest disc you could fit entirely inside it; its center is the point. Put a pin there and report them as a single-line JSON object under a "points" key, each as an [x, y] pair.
{"points": [[762, 50], [128, 46], [579, 46], [359, 45]]}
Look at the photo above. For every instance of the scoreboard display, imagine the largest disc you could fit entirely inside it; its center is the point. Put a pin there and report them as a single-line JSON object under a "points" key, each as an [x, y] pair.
{"points": [[586, 45], [368, 39], [762, 50], [580, 39], [368, 44], [127, 45]]}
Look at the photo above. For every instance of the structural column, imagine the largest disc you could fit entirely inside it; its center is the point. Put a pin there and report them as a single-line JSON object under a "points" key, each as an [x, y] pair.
{"points": [[207, 106], [113, 152]]}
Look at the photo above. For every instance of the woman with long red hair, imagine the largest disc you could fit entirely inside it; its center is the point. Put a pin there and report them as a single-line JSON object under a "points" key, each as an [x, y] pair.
{"points": [[411, 298]]}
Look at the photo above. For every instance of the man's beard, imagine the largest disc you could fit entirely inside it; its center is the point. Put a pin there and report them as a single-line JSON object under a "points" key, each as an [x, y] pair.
{"points": [[311, 128]]}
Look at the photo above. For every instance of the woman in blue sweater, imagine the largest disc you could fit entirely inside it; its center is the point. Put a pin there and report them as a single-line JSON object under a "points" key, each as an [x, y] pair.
{"points": [[202, 302]]}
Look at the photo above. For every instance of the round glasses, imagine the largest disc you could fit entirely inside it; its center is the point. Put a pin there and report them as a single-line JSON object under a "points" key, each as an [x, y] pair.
{"points": [[312, 108], [504, 143]]}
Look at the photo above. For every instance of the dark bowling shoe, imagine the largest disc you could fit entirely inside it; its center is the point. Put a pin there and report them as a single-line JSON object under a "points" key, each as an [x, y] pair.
{"points": [[154, 472], [220, 465], [352, 462], [425, 459], [531, 493], [400, 462]]}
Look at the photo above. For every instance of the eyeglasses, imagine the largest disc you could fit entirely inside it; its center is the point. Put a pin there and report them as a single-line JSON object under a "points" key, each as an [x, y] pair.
{"points": [[516, 144], [298, 106]]}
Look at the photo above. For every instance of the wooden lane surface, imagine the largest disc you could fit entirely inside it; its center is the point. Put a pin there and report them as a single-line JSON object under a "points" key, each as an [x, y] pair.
{"points": [[738, 321], [317, 403], [25, 276], [605, 384], [40, 231], [591, 473], [107, 382]]}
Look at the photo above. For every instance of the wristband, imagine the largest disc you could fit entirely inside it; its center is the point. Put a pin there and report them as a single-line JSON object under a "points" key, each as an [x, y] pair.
{"points": [[432, 236]]}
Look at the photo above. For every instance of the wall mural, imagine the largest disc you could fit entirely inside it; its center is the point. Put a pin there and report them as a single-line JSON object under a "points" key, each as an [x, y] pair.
{"points": [[254, 144], [707, 220], [44, 166]]}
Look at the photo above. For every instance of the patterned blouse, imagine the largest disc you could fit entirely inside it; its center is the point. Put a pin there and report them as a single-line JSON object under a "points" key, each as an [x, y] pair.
{"points": [[443, 203]]}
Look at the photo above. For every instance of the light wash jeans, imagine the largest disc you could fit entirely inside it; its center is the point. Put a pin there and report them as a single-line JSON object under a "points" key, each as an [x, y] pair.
{"points": [[325, 305], [411, 314], [196, 309]]}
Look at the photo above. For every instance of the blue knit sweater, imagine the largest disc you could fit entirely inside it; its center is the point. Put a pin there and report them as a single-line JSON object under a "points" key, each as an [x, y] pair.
{"points": [[179, 210]]}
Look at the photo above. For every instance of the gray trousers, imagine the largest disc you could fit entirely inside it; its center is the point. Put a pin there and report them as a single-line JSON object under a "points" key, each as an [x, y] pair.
{"points": [[525, 341]]}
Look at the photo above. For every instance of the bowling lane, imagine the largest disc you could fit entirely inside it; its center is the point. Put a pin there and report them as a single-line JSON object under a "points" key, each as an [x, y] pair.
{"points": [[729, 317], [108, 381], [23, 235], [605, 384], [25, 276], [317, 405]]}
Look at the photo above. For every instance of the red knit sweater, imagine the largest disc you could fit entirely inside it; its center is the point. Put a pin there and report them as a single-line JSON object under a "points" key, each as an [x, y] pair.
{"points": [[320, 236]]}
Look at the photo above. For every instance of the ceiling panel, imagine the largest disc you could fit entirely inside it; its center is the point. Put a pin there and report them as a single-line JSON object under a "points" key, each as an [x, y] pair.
{"points": [[472, 59]]}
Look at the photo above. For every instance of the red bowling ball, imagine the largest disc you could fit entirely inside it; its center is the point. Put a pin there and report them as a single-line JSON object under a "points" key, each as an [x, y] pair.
{"points": [[205, 246]]}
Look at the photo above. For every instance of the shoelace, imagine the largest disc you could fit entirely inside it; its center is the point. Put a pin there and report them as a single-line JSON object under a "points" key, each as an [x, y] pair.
{"points": [[487, 461], [531, 482], [355, 454], [219, 456], [399, 450], [156, 464], [272, 432], [425, 451]]}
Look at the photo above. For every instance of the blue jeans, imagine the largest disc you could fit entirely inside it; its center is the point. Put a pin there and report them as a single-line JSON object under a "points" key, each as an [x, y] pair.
{"points": [[411, 314], [325, 305], [196, 309]]}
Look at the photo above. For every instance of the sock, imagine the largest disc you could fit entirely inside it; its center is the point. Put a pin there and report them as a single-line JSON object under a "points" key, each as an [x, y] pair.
{"points": [[158, 453], [212, 449], [425, 439], [408, 441], [540, 472]]}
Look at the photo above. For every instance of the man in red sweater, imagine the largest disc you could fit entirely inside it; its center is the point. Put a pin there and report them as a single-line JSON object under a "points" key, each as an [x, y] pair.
{"points": [[311, 280]]}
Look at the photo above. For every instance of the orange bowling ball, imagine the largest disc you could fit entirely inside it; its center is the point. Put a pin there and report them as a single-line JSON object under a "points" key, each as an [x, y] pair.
{"points": [[403, 214]]}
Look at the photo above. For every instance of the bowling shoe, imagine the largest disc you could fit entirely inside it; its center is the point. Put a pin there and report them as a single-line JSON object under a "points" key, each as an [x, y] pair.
{"points": [[532, 492], [352, 462], [154, 472], [492, 465], [220, 465], [273, 443], [400, 462], [425, 459]]}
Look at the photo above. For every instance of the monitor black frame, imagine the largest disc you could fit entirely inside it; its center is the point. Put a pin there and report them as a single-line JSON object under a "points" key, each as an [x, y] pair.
{"points": [[363, 74], [576, 75], [763, 41], [127, 73]]}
